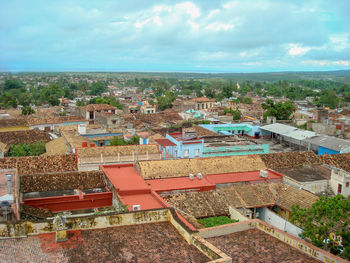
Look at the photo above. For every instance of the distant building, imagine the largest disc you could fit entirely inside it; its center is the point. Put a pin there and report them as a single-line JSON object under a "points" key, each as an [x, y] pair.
{"points": [[89, 111], [203, 103]]}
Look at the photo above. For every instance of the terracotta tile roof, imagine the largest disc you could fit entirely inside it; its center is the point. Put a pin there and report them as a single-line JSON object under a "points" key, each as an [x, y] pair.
{"points": [[248, 195], [286, 196], [203, 132], [99, 107], [165, 142], [115, 150], [40, 164], [147, 243], [200, 204], [154, 137], [289, 159], [340, 160], [214, 165], [254, 245], [28, 136], [62, 181], [52, 120], [264, 193], [203, 99], [56, 146], [232, 196], [13, 122]]}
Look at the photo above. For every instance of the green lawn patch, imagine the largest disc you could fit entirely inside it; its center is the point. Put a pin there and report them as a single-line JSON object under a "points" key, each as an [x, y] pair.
{"points": [[216, 221]]}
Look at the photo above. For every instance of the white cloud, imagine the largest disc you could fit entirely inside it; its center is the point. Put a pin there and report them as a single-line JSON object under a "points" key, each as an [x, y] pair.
{"points": [[213, 13], [297, 50], [217, 26], [230, 5], [326, 62], [340, 42], [157, 21], [189, 8], [253, 63]]}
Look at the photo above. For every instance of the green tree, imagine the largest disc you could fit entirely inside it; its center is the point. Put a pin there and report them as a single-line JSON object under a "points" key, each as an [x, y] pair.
{"points": [[280, 110], [236, 114], [327, 215], [209, 92], [329, 99], [30, 149], [97, 88], [27, 110], [227, 91], [166, 101], [11, 84]]}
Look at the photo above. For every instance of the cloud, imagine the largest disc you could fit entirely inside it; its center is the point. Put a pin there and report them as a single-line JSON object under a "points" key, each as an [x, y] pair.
{"points": [[297, 50], [260, 35]]}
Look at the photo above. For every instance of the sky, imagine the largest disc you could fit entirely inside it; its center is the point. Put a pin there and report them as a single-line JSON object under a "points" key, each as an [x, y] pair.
{"points": [[182, 36]]}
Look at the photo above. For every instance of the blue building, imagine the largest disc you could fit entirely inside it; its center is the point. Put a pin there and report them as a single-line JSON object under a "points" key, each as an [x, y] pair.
{"points": [[323, 144], [187, 144], [234, 128]]}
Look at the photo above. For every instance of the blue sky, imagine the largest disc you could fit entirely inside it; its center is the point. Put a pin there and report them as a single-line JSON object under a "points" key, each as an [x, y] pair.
{"points": [[185, 36]]}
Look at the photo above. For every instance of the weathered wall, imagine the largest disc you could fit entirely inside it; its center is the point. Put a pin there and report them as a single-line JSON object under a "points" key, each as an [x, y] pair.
{"points": [[25, 228], [324, 128], [275, 220], [314, 187], [235, 214], [226, 229]]}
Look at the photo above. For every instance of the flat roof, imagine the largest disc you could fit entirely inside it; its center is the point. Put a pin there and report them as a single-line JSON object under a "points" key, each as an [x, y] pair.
{"points": [[254, 245], [125, 179], [307, 173], [180, 183], [279, 128], [240, 177], [146, 201], [301, 134]]}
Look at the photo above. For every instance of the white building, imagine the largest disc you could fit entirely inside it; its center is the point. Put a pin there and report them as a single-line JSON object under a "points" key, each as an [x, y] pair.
{"points": [[340, 182]]}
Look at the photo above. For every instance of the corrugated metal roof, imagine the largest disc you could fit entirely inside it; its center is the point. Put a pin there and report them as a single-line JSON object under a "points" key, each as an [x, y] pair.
{"points": [[329, 142], [301, 134], [279, 128]]}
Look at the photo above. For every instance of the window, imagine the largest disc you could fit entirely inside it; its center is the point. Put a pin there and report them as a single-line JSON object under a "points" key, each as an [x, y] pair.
{"points": [[186, 153], [347, 184], [175, 153], [114, 122], [196, 152]]}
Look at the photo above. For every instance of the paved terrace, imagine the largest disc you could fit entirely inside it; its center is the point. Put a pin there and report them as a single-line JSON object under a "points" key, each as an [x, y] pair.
{"points": [[153, 242]]}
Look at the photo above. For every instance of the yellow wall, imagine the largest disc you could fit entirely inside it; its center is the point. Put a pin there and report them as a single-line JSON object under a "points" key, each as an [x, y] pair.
{"points": [[16, 128]]}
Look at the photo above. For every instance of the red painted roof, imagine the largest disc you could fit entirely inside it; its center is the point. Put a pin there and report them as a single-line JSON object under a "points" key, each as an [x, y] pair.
{"points": [[146, 201], [240, 177], [179, 183], [125, 179], [165, 142]]}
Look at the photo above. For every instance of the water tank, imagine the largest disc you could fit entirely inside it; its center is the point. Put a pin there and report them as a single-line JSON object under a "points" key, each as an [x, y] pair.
{"points": [[84, 144]]}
